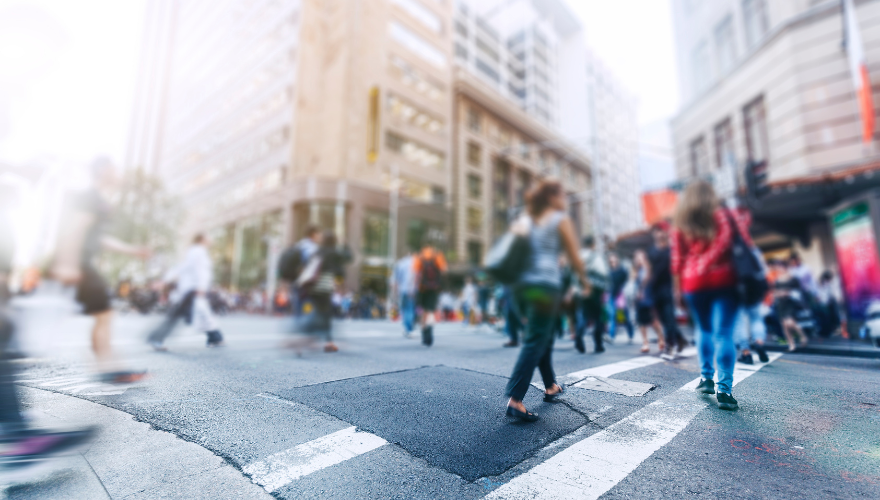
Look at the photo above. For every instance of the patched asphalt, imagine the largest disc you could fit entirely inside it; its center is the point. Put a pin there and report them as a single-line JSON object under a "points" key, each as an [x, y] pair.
{"points": [[451, 418]]}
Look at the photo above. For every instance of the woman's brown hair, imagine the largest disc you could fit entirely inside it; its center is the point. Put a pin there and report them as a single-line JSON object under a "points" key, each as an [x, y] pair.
{"points": [[539, 197], [695, 212]]}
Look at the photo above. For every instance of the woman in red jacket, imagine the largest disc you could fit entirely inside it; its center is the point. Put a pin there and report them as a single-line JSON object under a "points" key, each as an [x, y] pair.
{"points": [[704, 275]]}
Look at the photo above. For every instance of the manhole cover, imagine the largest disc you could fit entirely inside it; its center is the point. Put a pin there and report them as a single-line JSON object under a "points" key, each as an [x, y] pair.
{"points": [[451, 418]]}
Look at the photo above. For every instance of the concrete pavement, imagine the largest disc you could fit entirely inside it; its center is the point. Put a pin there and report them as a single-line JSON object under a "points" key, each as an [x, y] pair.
{"points": [[388, 418]]}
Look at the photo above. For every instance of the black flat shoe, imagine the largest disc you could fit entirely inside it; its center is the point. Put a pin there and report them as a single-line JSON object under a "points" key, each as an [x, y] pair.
{"points": [[524, 416], [551, 398]]}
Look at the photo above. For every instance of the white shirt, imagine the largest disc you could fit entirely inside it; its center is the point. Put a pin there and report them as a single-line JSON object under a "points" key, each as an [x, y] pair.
{"points": [[194, 273], [469, 295]]}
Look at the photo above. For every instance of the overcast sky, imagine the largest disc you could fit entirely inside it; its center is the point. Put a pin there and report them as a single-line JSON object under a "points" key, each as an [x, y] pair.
{"points": [[67, 70]]}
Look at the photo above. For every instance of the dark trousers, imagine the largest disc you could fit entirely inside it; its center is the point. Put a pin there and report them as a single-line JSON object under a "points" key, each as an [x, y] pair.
{"points": [[181, 310], [10, 411], [664, 307], [540, 305], [590, 310], [512, 320]]}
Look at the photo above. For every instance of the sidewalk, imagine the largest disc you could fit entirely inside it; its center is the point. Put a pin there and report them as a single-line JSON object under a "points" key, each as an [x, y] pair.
{"points": [[835, 346], [128, 459]]}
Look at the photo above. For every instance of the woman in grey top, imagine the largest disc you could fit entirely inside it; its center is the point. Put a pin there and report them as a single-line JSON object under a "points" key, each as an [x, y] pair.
{"points": [[551, 232]]}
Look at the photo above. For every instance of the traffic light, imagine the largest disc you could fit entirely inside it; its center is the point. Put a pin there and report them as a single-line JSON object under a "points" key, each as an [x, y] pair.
{"points": [[756, 180]]}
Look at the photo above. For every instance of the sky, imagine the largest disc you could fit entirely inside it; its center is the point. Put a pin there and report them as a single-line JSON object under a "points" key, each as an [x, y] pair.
{"points": [[68, 70]]}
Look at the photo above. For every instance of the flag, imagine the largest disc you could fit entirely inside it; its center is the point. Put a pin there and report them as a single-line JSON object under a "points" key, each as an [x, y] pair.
{"points": [[859, 70]]}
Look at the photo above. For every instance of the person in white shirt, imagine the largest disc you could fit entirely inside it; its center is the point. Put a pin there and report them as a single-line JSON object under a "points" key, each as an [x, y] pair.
{"points": [[468, 299], [189, 298]]}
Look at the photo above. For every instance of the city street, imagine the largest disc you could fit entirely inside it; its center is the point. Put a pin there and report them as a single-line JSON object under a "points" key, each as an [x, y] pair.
{"points": [[386, 417]]}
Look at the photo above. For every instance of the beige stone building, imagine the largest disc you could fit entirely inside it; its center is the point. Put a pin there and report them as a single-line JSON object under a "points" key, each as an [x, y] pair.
{"points": [[267, 116], [769, 81]]}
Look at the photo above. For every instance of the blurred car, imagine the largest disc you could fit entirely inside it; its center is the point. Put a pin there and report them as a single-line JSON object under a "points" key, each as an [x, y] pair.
{"points": [[872, 323]]}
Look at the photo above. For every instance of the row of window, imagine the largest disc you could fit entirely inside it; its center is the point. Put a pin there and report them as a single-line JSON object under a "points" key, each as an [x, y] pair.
{"points": [[755, 26], [754, 132], [414, 152], [415, 79], [402, 110]]}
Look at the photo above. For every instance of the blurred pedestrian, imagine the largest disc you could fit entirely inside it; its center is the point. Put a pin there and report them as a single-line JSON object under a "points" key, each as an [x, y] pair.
{"points": [[82, 238], [430, 266], [826, 296], [294, 260], [590, 302], [550, 232], [25, 449], [645, 301], [619, 307], [787, 302], [324, 271], [193, 278], [483, 295], [661, 290], [703, 267], [468, 299], [404, 286]]}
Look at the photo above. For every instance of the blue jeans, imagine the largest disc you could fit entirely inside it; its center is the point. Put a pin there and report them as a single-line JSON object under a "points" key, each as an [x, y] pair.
{"points": [[408, 311], [750, 326], [512, 320], [541, 306], [715, 313], [466, 313]]}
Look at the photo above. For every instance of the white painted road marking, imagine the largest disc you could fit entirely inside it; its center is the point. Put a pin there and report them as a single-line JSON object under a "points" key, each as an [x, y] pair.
{"points": [[77, 383], [589, 468], [284, 467]]}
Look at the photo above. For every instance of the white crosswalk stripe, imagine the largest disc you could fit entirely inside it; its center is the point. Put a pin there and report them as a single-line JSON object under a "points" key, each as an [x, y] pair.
{"points": [[282, 468], [78, 384], [589, 468]]}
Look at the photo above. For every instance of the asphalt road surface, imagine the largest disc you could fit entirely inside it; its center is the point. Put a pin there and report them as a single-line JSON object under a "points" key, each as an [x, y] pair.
{"points": [[386, 417]]}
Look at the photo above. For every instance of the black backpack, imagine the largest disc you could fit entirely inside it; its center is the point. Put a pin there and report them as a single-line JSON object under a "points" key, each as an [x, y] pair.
{"points": [[430, 278], [751, 279], [291, 263], [508, 258]]}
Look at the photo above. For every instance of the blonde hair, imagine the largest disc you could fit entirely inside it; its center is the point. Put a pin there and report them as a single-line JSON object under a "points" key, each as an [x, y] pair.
{"points": [[695, 211]]}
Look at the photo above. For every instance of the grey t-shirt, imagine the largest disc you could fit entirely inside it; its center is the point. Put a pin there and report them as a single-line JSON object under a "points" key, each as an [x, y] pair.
{"points": [[546, 244]]}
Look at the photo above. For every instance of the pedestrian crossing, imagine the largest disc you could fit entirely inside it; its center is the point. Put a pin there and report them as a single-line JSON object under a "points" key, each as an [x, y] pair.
{"points": [[584, 470]]}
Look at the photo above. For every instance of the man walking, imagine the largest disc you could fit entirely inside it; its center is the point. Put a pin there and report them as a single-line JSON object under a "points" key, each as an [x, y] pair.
{"points": [[590, 302], [661, 289], [430, 266], [404, 286], [190, 297], [294, 260]]}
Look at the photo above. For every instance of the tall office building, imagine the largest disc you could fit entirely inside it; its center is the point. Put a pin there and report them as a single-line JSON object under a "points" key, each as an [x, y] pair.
{"points": [[770, 84], [270, 115]]}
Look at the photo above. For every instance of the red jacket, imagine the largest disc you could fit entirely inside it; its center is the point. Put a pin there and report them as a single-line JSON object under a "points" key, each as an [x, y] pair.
{"points": [[707, 264]]}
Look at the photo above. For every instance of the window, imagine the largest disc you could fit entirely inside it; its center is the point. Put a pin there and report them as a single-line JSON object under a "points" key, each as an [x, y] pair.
{"points": [[475, 253], [501, 190], [725, 44], [755, 122], [400, 109], [461, 29], [422, 13], [755, 20], [724, 153], [474, 120], [414, 152], [415, 80], [487, 50], [461, 51], [524, 151], [698, 156], [417, 44], [375, 239], [474, 219], [438, 195], [474, 154], [475, 186], [523, 182], [488, 71], [700, 67]]}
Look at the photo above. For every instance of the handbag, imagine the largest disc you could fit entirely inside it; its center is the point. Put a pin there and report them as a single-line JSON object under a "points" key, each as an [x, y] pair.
{"points": [[751, 277], [508, 258]]}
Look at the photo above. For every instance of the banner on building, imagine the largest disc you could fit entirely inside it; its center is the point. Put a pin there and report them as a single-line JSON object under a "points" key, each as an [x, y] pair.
{"points": [[857, 257], [658, 205], [858, 68]]}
